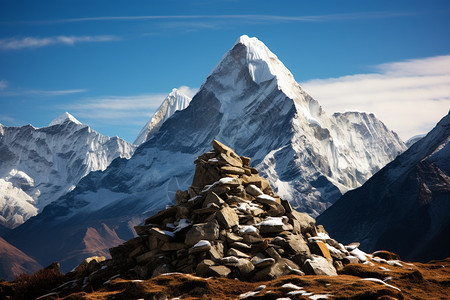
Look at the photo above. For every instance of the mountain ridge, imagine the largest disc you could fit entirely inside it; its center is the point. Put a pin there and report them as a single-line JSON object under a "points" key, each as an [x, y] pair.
{"points": [[40, 165], [174, 102], [291, 141], [410, 195]]}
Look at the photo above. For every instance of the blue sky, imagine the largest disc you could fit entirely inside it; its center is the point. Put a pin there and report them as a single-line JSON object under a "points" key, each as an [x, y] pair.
{"points": [[111, 63]]}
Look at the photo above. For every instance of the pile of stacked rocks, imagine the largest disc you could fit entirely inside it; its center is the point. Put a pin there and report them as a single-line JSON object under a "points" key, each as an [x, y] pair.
{"points": [[231, 224]]}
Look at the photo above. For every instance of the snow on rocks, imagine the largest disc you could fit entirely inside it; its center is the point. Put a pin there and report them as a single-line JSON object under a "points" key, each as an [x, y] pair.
{"points": [[382, 282], [230, 223]]}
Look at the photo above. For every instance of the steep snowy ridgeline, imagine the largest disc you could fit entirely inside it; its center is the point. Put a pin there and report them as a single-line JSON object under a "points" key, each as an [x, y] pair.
{"points": [[414, 139], [175, 101], [39, 165], [250, 102], [403, 208]]}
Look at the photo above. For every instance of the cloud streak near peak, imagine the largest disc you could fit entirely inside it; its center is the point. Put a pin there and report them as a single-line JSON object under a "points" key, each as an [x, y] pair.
{"points": [[17, 43], [405, 95], [244, 17]]}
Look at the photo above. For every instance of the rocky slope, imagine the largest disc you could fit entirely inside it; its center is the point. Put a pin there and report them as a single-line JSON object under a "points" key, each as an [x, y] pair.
{"points": [[174, 102], [14, 262], [230, 225], [251, 102], [405, 207], [39, 165], [380, 281]]}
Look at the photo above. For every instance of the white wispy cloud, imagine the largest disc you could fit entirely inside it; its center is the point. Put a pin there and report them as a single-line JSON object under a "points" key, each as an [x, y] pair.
{"points": [[235, 17], [3, 84], [42, 93], [129, 109], [409, 96], [188, 91], [16, 43]]}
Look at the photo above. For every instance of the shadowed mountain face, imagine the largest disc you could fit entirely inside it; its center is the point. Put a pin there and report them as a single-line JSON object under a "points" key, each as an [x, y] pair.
{"points": [[251, 102], [405, 207], [15, 262]]}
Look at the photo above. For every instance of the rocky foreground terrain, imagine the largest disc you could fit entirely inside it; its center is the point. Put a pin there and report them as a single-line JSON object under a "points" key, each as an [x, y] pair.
{"points": [[230, 237]]}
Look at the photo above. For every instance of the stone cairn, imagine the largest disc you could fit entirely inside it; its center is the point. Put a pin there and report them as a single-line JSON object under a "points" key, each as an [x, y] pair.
{"points": [[231, 224]]}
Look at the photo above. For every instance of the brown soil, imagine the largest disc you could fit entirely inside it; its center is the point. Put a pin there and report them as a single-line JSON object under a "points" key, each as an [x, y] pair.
{"points": [[415, 281]]}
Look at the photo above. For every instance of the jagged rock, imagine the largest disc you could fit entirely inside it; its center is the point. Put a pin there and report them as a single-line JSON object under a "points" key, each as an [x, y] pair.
{"points": [[273, 253], [211, 208], [350, 260], [272, 271], [161, 269], [232, 237], [237, 253], [200, 246], [227, 217], [253, 190], [220, 271], [205, 231], [89, 265], [307, 223], [318, 265], [160, 216], [320, 248], [232, 170], [240, 245], [147, 256], [216, 252], [172, 246], [386, 255], [296, 245], [230, 223], [203, 267], [162, 235], [262, 263], [213, 198]]}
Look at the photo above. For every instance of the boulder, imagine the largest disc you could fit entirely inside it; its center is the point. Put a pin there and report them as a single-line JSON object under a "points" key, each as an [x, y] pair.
{"points": [[227, 217], [386, 255], [160, 216], [253, 190], [320, 248], [350, 260], [213, 198], [205, 231], [89, 265], [237, 253], [200, 246], [318, 265], [232, 170], [203, 267], [219, 271], [307, 223]]}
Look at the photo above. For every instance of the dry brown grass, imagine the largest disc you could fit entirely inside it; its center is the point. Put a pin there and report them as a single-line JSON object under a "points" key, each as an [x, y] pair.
{"points": [[38, 284]]}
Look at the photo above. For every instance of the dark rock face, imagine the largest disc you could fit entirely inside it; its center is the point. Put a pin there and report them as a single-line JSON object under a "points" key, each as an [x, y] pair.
{"points": [[405, 207]]}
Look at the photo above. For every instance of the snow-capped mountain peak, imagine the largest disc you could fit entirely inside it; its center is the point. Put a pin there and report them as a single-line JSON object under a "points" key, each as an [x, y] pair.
{"points": [[63, 118], [261, 63], [250, 102], [38, 165], [175, 101]]}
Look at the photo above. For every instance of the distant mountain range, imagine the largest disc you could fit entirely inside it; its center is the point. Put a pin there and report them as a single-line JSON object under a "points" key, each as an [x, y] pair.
{"points": [[39, 165], [405, 207], [251, 102]]}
